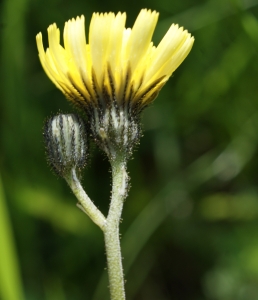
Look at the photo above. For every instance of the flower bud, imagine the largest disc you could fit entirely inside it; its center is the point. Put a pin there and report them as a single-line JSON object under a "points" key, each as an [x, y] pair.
{"points": [[66, 143]]}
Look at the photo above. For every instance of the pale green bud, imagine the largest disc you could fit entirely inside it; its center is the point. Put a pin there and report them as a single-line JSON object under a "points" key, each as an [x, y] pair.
{"points": [[66, 143]]}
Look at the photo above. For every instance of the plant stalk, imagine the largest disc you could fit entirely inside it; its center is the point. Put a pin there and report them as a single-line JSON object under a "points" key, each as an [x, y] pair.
{"points": [[85, 203], [109, 225], [111, 230]]}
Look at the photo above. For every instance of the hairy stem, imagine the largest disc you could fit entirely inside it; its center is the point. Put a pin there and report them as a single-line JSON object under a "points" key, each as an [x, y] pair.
{"points": [[111, 230], [85, 203], [109, 225]]}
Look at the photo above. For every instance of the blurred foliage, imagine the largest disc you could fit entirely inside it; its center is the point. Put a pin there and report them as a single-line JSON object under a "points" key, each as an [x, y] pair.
{"points": [[190, 223]]}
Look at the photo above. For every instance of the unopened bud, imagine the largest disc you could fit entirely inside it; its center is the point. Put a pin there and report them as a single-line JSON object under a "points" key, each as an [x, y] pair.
{"points": [[66, 143]]}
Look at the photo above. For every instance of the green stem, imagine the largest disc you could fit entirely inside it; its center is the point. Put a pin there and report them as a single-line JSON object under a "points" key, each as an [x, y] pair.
{"points": [[109, 225], [85, 203], [111, 230]]}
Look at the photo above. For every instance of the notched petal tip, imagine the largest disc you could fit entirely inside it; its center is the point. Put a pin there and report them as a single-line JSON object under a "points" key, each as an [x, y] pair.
{"points": [[120, 14], [39, 42], [184, 31], [80, 18], [39, 38], [146, 14], [51, 27], [39, 35], [189, 40], [148, 11]]}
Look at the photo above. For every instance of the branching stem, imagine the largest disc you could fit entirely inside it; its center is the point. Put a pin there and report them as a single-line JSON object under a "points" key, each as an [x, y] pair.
{"points": [[85, 203], [109, 225]]}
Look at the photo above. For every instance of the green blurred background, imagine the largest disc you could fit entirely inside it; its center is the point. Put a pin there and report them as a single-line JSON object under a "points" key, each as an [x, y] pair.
{"points": [[190, 223]]}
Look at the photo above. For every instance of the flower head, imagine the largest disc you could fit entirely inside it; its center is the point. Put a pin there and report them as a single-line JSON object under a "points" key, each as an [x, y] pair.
{"points": [[117, 73]]}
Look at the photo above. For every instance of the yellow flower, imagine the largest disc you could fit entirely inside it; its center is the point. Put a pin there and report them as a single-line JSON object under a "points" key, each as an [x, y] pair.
{"points": [[116, 62], [116, 74]]}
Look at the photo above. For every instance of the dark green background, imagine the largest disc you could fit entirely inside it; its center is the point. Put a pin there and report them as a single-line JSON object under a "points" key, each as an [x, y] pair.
{"points": [[190, 223]]}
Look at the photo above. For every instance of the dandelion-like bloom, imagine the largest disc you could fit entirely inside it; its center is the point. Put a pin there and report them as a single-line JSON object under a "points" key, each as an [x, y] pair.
{"points": [[116, 74]]}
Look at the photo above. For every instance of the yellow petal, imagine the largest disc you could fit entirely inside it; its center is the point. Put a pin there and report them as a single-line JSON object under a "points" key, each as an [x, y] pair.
{"points": [[178, 57], [99, 37], [113, 58], [172, 43], [48, 68], [115, 42], [56, 50], [75, 45], [140, 37], [76, 55]]}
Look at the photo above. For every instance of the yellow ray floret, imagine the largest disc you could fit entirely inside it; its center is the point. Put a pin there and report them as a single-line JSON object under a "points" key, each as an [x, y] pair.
{"points": [[116, 62]]}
